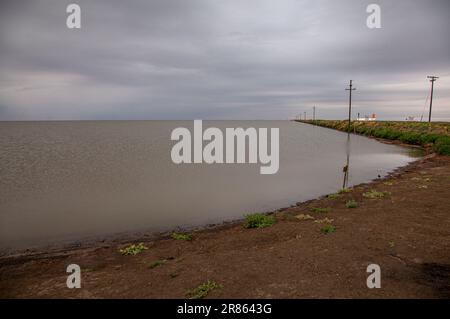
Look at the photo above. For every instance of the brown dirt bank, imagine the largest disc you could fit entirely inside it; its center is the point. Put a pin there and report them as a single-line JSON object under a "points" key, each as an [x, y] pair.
{"points": [[406, 232]]}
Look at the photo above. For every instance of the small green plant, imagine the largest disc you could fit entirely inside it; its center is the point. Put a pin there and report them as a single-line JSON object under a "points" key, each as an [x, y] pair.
{"points": [[134, 249], [333, 196], [373, 194], [258, 221], [157, 263], [328, 229], [351, 204], [345, 191], [203, 290], [391, 244], [322, 210], [182, 236]]}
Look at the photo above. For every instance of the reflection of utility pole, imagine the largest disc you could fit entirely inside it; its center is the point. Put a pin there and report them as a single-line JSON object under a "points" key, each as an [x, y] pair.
{"points": [[350, 104], [432, 80], [314, 113], [346, 168]]}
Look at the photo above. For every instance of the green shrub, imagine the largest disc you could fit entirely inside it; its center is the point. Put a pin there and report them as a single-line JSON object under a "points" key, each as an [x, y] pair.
{"points": [[182, 236], [258, 221], [134, 249], [322, 210], [328, 229], [442, 145], [203, 290], [156, 263], [351, 204]]}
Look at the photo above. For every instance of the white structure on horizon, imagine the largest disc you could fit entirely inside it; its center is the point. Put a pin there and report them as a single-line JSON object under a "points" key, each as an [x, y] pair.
{"points": [[370, 118]]}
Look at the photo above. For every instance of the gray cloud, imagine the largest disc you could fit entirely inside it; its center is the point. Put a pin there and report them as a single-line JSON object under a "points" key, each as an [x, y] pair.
{"points": [[206, 59]]}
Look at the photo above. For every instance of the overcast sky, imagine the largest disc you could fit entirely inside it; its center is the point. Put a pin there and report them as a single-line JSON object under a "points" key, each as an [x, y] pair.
{"points": [[221, 59]]}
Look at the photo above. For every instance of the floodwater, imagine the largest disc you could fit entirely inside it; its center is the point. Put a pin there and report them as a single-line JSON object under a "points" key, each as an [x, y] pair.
{"points": [[69, 181]]}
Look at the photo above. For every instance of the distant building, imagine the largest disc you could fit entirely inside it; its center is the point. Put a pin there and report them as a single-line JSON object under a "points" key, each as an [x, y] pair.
{"points": [[370, 118]]}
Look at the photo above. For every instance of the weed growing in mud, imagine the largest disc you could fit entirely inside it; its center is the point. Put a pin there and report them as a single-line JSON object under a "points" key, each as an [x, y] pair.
{"points": [[258, 221], [157, 263], [322, 210], [391, 244], [373, 194], [345, 191], [133, 249], [203, 290], [182, 236], [351, 204], [333, 196], [328, 229]]}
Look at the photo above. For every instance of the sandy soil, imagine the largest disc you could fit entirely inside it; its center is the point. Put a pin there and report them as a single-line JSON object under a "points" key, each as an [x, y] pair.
{"points": [[407, 233]]}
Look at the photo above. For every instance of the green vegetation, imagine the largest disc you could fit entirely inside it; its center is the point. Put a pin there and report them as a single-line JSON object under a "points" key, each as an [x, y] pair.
{"points": [[258, 221], [182, 236], [157, 263], [351, 204], [345, 191], [373, 194], [435, 135], [203, 290], [391, 244], [321, 210], [328, 229], [134, 249], [333, 196]]}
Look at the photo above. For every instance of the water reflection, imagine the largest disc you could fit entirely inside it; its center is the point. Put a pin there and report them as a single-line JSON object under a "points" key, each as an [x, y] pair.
{"points": [[346, 168]]}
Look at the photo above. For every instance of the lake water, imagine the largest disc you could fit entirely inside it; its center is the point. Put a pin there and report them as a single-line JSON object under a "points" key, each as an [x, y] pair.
{"points": [[66, 181]]}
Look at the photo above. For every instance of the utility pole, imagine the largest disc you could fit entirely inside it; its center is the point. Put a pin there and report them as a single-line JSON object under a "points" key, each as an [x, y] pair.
{"points": [[350, 104], [432, 80], [314, 113], [304, 115]]}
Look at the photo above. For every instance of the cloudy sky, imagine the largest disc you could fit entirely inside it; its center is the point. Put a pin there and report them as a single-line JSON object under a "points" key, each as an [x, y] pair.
{"points": [[221, 59]]}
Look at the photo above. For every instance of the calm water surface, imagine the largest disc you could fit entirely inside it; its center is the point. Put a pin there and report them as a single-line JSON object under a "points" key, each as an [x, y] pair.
{"points": [[65, 181]]}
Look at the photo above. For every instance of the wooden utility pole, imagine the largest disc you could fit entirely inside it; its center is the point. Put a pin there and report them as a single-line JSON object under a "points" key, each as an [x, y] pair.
{"points": [[432, 80], [314, 113], [350, 104]]}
